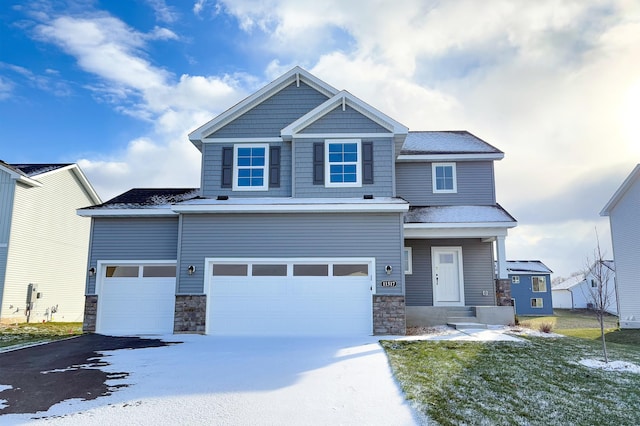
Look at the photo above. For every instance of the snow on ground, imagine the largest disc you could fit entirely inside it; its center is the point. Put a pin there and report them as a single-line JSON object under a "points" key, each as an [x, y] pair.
{"points": [[491, 334], [619, 366], [241, 381]]}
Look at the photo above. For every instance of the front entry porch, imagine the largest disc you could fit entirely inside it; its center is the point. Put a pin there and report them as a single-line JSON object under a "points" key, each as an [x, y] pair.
{"points": [[430, 316]]}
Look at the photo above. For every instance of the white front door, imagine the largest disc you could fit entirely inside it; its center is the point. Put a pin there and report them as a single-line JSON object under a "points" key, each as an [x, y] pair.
{"points": [[448, 282]]}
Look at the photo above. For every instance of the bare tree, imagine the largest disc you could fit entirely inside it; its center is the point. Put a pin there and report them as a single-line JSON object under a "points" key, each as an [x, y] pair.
{"points": [[598, 291]]}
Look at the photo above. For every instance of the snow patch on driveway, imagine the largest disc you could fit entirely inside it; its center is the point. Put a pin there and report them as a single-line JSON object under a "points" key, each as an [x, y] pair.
{"points": [[239, 381]]}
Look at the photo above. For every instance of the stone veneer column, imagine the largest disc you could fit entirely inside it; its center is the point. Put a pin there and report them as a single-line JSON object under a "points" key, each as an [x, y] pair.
{"points": [[190, 314], [503, 293], [389, 315], [90, 314]]}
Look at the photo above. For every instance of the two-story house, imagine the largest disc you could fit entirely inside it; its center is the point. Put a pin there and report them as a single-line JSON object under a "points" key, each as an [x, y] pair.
{"points": [[43, 242], [316, 214]]}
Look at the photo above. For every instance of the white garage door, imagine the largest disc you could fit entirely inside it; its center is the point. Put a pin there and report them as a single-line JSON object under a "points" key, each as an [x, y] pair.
{"points": [[290, 297], [136, 299]]}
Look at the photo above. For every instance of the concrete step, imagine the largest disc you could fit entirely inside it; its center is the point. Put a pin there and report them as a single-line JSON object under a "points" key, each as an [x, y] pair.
{"points": [[461, 318], [467, 325]]}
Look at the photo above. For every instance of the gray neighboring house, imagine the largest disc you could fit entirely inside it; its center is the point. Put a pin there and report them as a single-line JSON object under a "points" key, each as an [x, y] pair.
{"points": [[43, 242], [623, 210], [317, 214]]}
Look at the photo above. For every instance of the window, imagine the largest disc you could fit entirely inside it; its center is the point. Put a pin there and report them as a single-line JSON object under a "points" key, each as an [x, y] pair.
{"points": [[350, 270], [536, 303], [122, 271], [444, 177], [159, 271], [408, 261], [538, 284], [250, 167], [230, 270], [594, 284], [343, 163], [311, 270], [515, 279], [268, 270]]}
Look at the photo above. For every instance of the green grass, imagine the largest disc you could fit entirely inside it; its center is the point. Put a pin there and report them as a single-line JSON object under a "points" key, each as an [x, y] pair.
{"points": [[564, 319], [23, 333], [535, 383]]}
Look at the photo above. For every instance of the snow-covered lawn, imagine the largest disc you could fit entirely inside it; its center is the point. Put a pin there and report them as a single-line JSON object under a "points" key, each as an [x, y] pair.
{"points": [[243, 381]]}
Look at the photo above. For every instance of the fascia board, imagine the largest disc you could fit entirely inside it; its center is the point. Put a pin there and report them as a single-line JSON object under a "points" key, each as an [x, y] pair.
{"points": [[408, 158], [456, 225], [17, 176], [75, 169], [449, 232], [348, 99], [295, 74], [125, 212], [635, 174], [300, 208]]}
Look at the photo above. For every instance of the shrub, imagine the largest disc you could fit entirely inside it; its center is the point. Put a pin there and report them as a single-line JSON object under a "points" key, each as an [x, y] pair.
{"points": [[546, 327]]}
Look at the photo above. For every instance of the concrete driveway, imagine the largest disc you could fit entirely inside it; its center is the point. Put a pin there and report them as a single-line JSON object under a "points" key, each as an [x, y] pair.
{"points": [[232, 381]]}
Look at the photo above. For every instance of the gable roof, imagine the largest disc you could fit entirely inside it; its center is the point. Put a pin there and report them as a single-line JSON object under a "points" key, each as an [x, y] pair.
{"points": [[527, 266], [147, 198], [626, 185], [28, 174], [343, 99], [569, 283], [452, 144], [296, 74]]}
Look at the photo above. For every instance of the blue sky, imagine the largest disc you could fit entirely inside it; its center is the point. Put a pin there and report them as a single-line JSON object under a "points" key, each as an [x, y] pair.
{"points": [[116, 86]]}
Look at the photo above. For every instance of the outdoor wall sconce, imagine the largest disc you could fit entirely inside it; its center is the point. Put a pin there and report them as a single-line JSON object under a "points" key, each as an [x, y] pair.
{"points": [[92, 271], [191, 269], [388, 269]]}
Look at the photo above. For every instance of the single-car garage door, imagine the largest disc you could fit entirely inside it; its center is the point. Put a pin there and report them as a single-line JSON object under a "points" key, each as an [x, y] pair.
{"points": [[136, 299], [290, 297]]}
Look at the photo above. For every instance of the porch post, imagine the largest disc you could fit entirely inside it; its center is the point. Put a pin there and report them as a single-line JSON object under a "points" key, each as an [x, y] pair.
{"points": [[502, 258]]}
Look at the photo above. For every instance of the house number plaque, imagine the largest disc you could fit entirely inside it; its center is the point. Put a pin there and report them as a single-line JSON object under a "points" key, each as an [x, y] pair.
{"points": [[389, 283]]}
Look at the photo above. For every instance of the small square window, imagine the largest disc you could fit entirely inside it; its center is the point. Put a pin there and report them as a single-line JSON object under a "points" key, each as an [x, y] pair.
{"points": [[250, 167], [537, 303], [343, 163], [408, 261], [444, 177], [515, 279]]}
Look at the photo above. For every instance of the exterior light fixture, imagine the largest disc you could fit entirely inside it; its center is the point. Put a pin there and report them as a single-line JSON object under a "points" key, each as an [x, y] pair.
{"points": [[92, 271], [388, 269], [191, 269]]}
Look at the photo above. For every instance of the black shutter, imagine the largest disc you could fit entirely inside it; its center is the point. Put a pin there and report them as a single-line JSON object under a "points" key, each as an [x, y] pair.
{"points": [[274, 167], [367, 162], [227, 167], [318, 163]]}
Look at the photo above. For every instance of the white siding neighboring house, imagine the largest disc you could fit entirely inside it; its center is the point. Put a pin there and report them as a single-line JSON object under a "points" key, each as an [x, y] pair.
{"points": [[575, 292], [624, 217], [43, 242]]}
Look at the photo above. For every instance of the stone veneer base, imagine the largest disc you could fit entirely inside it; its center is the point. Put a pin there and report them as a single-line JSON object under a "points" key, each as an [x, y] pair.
{"points": [[190, 314], [90, 314], [389, 315]]}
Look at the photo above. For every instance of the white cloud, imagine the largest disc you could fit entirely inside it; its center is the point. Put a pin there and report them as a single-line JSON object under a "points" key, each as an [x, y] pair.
{"points": [[163, 12]]}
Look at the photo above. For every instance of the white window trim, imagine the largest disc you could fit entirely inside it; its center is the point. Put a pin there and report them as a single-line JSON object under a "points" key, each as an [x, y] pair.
{"points": [[541, 302], [515, 279], [433, 179], [265, 185], [327, 165], [408, 253], [545, 284]]}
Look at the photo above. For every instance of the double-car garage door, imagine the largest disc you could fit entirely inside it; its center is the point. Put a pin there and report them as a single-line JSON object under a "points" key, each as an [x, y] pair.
{"points": [[289, 296], [308, 297]]}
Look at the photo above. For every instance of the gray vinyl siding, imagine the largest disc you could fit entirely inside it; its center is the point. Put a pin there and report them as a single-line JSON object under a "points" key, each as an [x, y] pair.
{"points": [[273, 114], [383, 169], [477, 261], [475, 182], [132, 239], [212, 173], [347, 121], [295, 235], [7, 191]]}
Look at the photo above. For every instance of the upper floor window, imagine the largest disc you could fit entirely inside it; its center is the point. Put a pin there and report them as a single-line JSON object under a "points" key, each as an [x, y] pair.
{"points": [[539, 284], [250, 172], [343, 163], [444, 178]]}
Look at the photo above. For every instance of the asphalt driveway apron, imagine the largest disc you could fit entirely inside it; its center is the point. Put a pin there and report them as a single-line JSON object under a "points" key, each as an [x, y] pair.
{"points": [[44, 375]]}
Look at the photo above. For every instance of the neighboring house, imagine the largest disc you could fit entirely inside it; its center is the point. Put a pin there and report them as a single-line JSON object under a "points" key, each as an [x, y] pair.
{"points": [[570, 293], [43, 242], [317, 214], [624, 217], [530, 287], [576, 292]]}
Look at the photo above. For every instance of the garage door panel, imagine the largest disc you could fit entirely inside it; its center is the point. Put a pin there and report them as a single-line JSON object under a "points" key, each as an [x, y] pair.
{"points": [[136, 306], [291, 305]]}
